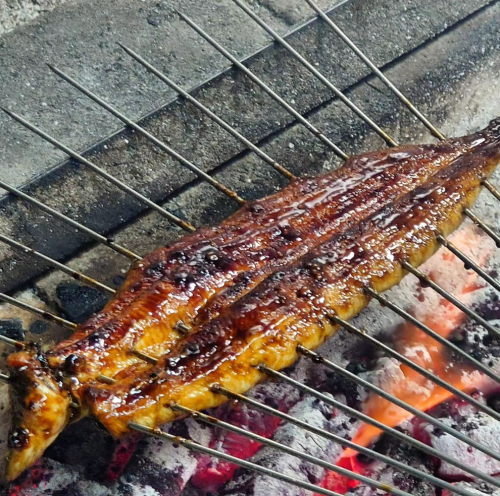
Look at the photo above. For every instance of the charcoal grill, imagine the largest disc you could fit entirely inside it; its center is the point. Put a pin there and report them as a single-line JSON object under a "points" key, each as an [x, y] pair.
{"points": [[316, 357]]}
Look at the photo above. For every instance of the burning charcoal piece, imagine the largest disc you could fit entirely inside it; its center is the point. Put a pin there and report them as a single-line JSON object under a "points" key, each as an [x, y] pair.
{"points": [[212, 474], [476, 425], [12, 328], [158, 468], [381, 472], [80, 302], [51, 478], [315, 413]]}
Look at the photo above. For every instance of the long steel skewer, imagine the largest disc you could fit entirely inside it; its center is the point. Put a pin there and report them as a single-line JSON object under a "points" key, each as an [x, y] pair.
{"points": [[222, 123], [121, 185], [376, 71], [63, 268], [468, 262], [426, 281], [345, 443], [299, 117], [317, 358], [80, 227], [160, 144], [352, 106], [209, 420], [30, 308], [474, 218], [384, 428], [237, 461], [383, 300]]}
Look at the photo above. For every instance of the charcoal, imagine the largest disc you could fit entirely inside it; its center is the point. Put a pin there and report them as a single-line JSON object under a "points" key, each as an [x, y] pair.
{"points": [[158, 468], [12, 328], [83, 446], [38, 327], [50, 478], [381, 472], [80, 302], [212, 474], [476, 425], [315, 413]]}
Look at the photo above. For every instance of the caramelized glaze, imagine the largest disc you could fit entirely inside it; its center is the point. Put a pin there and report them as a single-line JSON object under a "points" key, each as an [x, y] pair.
{"points": [[219, 280], [266, 325]]}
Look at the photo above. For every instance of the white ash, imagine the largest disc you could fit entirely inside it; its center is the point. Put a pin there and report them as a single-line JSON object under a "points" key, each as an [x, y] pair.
{"points": [[479, 427], [315, 413], [480, 489]]}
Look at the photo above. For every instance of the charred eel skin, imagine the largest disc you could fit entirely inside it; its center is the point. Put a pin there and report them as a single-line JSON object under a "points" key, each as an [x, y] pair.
{"points": [[294, 307], [203, 274]]}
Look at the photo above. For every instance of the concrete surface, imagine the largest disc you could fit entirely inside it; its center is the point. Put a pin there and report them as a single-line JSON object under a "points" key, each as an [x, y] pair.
{"points": [[80, 36], [385, 29]]}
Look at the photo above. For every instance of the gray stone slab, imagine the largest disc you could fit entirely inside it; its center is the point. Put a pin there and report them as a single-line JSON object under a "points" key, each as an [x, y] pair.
{"points": [[81, 36], [394, 29]]}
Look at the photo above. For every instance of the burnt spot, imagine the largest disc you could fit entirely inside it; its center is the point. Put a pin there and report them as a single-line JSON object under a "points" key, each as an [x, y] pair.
{"points": [[19, 438], [304, 292], [192, 349], [38, 327], [156, 270], [316, 269], [256, 208], [184, 280], [178, 256], [290, 234], [73, 364], [217, 259]]}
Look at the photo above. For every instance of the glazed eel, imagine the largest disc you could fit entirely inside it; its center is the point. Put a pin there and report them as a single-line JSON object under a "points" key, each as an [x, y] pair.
{"points": [[211, 273]]}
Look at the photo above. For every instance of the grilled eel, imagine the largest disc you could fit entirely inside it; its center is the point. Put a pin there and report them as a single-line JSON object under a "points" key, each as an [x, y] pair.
{"points": [[204, 273], [295, 306]]}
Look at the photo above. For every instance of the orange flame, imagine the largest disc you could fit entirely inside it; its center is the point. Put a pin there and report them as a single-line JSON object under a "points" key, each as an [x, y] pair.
{"points": [[443, 317]]}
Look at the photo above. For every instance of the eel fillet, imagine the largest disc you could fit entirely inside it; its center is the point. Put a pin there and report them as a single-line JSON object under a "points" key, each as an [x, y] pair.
{"points": [[252, 289]]}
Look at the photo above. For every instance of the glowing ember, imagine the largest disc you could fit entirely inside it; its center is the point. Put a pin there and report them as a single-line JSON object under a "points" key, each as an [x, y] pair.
{"points": [[443, 317]]}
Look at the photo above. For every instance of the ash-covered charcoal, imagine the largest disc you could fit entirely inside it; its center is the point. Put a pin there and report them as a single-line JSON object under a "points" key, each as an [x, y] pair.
{"points": [[211, 474], [479, 488], [315, 413], [79, 303], [476, 425], [84, 447], [50, 478], [386, 474], [160, 468]]}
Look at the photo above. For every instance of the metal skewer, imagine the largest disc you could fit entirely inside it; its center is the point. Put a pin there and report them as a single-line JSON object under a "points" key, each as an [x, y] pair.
{"points": [[489, 186], [160, 144], [63, 268], [376, 71], [79, 158], [231, 130], [352, 106], [345, 443], [30, 308], [310, 127], [317, 358], [474, 218], [237, 461], [382, 427], [209, 420], [469, 264], [80, 227], [426, 281], [440, 339]]}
